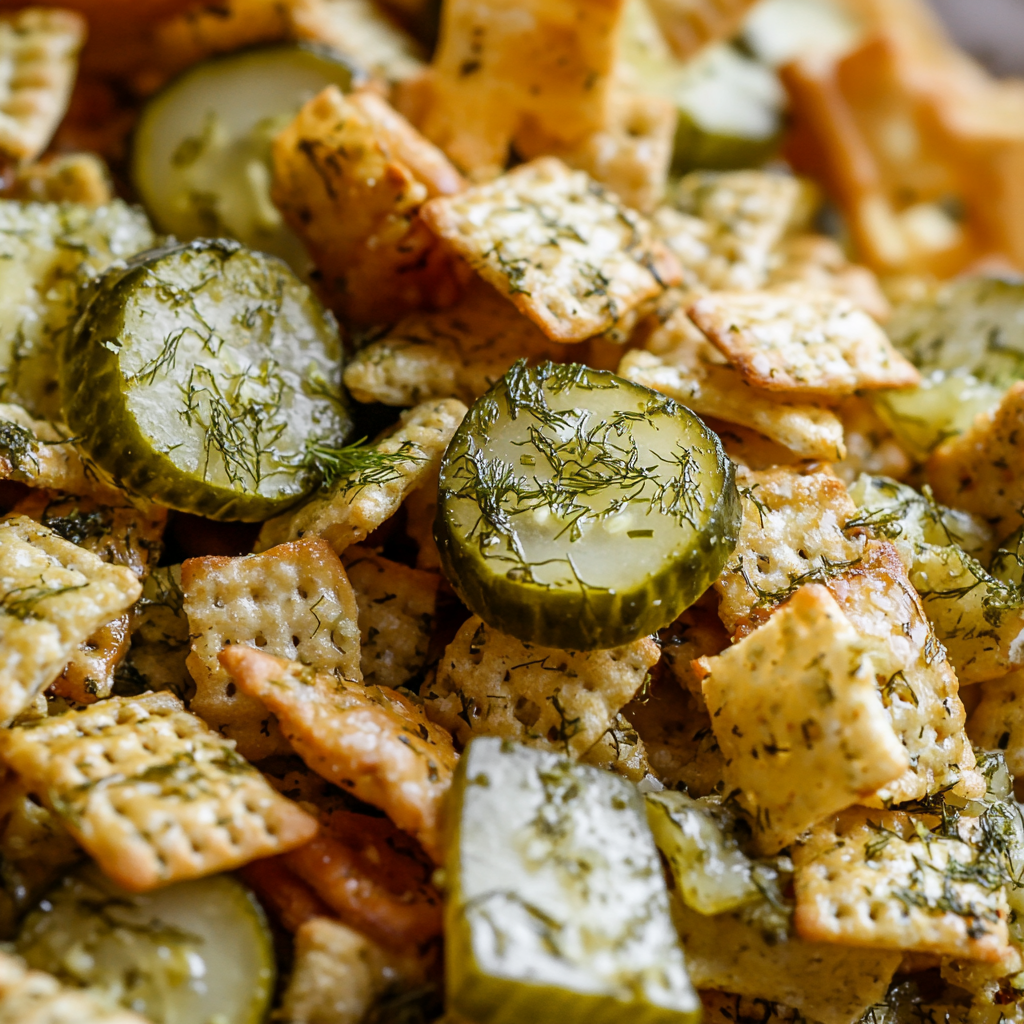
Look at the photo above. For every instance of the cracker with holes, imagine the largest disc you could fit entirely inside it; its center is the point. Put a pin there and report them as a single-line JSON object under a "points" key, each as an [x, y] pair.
{"points": [[54, 596], [569, 255], [294, 601], [71, 178], [802, 341], [396, 616], [369, 740], [620, 750], [997, 723], [151, 793], [797, 714], [371, 491], [490, 684], [892, 880]]}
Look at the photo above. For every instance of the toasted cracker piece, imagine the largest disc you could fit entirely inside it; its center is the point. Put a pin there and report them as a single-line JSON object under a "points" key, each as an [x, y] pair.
{"points": [[151, 793], [870, 444], [982, 470], [71, 178], [285, 897], [490, 684], [569, 255], [801, 341], [359, 503], [997, 723], [420, 513], [689, 25], [40, 58], [396, 616], [798, 716], [456, 353], [34, 997], [89, 674], [339, 974], [831, 984], [546, 66], [55, 595], [883, 879], [293, 601], [697, 633], [350, 177], [620, 750], [371, 741]]}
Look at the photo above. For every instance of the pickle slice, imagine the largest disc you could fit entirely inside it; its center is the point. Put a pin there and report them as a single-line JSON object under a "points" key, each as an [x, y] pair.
{"points": [[193, 953], [557, 911], [205, 376], [579, 510]]}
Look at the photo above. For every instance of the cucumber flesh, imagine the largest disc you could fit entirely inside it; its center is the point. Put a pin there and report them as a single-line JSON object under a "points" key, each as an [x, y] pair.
{"points": [[192, 953], [579, 510], [201, 157], [203, 376]]}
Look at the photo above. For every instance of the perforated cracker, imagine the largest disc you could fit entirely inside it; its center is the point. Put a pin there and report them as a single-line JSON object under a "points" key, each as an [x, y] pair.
{"points": [[71, 178], [798, 340], [797, 714], [490, 684], [54, 596], [151, 793], [396, 616], [997, 723], [90, 672], [361, 501], [293, 601], [884, 879], [369, 740], [569, 255], [620, 750]]}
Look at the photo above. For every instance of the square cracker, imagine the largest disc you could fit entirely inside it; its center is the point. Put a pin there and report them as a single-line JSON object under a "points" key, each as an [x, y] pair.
{"points": [[797, 714], [803, 341], [54, 596], [884, 879], [151, 793], [293, 601], [490, 684], [569, 255], [363, 499], [370, 740]]}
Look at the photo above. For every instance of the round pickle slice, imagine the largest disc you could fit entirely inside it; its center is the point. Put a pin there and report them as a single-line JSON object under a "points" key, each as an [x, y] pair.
{"points": [[193, 953], [205, 376], [579, 510]]}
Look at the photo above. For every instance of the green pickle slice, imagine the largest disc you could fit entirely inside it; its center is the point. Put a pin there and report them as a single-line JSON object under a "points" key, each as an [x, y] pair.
{"points": [[194, 953], [557, 910], [206, 376], [579, 510]]}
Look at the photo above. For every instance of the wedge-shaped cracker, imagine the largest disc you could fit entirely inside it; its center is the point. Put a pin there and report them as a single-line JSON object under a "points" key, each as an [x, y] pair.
{"points": [[997, 723], [620, 750], [35, 997], [798, 716], [892, 880], [396, 616], [351, 187], [151, 793], [569, 255], [72, 178], [369, 740], [802, 341], [293, 601], [457, 353], [54, 596], [490, 684], [363, 499], [831, 984]]}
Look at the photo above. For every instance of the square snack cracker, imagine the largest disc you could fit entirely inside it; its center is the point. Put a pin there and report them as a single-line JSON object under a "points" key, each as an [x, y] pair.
{"points": [[997, 723], [883, 879], [797, 714], [396, 616], [54, 596], [369, 740], [152, 793], [293, 601], [363, 499], [490, 684], [802, 341], [568, 254]]}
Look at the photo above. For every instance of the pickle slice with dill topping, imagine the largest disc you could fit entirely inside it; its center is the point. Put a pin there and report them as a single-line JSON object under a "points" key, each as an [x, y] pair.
{"points": [[582, 511], [206, 377]]}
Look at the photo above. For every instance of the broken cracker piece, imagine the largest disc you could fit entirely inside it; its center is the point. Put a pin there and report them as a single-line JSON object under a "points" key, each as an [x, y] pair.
{"points": [[293, 601], [997, 723], [690, 25], [151, 793], [569, 255], [369, 740]]}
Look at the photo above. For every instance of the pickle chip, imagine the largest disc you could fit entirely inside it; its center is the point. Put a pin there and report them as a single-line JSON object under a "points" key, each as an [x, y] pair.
{"points": [[205, 376], [581, 511]]}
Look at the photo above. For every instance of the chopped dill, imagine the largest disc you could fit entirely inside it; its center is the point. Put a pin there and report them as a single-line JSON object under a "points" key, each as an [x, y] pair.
{"points": [[358, 465]]}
